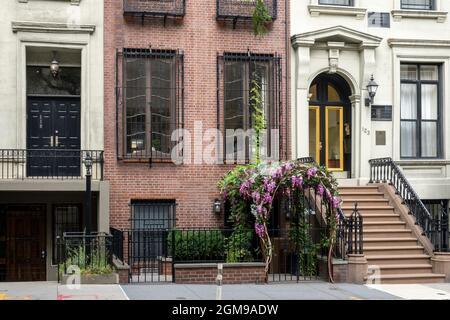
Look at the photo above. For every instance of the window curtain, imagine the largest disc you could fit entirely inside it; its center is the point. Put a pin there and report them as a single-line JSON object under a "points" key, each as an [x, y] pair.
{"points": [[429, 112], [408, 112]]}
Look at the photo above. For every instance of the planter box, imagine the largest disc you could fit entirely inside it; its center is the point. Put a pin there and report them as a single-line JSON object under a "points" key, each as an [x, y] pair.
{"points": [[112, 278], [233, 273]]}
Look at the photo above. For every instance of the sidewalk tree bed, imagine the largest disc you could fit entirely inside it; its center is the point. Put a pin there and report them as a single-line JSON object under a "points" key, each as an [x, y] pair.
{"points": [[250, 191]]}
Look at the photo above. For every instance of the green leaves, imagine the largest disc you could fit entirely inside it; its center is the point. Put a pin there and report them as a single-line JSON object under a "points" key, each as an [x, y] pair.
{"points": [[260, 18], [258, 117]]}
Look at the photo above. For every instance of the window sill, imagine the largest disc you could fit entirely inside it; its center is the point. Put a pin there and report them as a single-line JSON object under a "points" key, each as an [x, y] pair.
{"points": [[317, 10], [72, 2], [440, 16], [423, 162]]}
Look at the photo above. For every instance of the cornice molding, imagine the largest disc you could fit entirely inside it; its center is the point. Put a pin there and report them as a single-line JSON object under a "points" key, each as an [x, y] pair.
{"points": [[393, 42], [317, 9], [28, 26], [399, 14]]}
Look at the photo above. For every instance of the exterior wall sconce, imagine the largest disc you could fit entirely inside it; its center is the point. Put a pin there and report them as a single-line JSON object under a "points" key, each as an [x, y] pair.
{"points": [[372, 88], [217, 206], [54, 66]]}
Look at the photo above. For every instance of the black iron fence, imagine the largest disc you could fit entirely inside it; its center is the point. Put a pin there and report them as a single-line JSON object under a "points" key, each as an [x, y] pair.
{"points": [[88, 254], [117, 243], [49, 164], [243, 9], [163, 8], [385, 170]]}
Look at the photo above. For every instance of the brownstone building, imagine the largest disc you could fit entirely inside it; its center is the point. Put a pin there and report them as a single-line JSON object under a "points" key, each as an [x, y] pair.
{"points": [[168, 65]]}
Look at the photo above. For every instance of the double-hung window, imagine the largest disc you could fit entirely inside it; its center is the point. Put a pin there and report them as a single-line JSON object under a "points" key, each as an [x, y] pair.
{"points": [[348, 3], [418, 4], [243, 75], [420, 111], [152, 102]]}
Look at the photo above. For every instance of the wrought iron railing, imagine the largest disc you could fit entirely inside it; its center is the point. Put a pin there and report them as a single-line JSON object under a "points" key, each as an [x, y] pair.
{"points": [[49, 164], [117, 243], [349, 233], [243, 9], [385, 170], [162, 8], [90, 254]]}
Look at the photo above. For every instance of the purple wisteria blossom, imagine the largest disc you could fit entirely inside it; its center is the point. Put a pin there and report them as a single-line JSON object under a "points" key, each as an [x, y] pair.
{"points": [[320, 190], [267, 198], [311, 172], [269, 186], [277, 173], [256, 196], [260, 230], [297, 182], [327, 194], [336, 201]]}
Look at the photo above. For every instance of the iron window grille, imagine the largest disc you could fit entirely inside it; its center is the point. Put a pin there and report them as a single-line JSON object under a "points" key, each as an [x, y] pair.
{"points": [[418, 4], [156, 8], [242, 9], [150, 99], [235, 74], [151, 222], [344, 3], [421, 105], [66, 218]]}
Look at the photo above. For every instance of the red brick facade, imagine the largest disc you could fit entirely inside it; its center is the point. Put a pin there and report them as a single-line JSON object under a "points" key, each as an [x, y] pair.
{"points": [[201, 38]]}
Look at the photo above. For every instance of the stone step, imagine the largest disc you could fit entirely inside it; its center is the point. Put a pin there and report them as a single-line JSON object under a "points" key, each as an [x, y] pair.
{"points": [[378, 242], [387, 259], [400, 269], [386, 233], [360, 195], [368, 210], [358, 189], [409, 278], [393, 250], [385, 225], [365, 202], [388, 217]]}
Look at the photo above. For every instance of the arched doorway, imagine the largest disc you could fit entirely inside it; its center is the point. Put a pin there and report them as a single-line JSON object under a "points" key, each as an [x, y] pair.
{"points": [[330, 121]]}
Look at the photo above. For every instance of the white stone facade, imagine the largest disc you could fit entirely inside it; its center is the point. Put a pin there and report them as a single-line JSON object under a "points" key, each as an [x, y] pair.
{"points": [[338, 39]]}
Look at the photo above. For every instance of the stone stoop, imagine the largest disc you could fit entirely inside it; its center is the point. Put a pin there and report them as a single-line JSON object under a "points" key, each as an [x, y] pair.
{"points": [[392, 249]]}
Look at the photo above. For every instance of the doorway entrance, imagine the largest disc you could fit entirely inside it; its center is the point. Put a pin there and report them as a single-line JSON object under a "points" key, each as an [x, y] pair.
{"points": [[330, 123], [25, 243]]}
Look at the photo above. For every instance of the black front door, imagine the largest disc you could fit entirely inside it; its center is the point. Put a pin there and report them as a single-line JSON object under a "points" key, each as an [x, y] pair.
{"points": [[53, 137]]}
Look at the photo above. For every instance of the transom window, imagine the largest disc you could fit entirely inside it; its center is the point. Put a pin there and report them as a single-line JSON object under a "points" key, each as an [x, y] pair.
{"points": [[349, 3], [152, 102], [418, 4], [420, 111]]}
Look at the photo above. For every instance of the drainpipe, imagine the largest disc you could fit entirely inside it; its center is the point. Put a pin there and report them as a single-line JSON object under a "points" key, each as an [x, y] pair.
{"points": [[288, 72]]}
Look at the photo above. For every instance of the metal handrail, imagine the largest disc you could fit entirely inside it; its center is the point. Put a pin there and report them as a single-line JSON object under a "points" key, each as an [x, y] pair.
{"points": [[385, 170]]}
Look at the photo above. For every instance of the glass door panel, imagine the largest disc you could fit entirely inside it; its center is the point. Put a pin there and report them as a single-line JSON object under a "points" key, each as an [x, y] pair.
{"points": [[314, 133], [334, 149]]}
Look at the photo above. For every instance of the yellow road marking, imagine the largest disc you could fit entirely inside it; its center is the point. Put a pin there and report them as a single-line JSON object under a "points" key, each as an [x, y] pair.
{"points": [[2, 296]]}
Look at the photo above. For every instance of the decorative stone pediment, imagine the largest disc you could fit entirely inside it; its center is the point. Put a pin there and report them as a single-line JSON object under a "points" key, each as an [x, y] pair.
{"points": [[351, 39]]}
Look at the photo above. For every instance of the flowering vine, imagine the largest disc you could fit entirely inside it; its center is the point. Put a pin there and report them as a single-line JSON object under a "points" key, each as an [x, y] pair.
{"points": [[252, 189]]}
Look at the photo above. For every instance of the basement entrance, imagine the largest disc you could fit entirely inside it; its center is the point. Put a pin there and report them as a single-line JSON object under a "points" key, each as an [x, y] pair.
{"points": [[23, 243]]}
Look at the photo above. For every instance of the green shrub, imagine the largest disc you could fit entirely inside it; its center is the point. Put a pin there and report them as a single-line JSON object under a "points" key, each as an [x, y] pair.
{"points": [[196, 246], [98, 263]]}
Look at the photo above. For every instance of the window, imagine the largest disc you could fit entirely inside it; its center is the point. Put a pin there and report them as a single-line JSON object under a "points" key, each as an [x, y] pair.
{"points": [[418, 4], [420, 100], [348, 3], [379, 19], [66, 218], [241, 74], [152, 102], [151, 222]]}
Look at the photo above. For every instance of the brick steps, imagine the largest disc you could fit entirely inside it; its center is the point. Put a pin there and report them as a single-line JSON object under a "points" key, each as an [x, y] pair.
{"points": [[390, 247]]}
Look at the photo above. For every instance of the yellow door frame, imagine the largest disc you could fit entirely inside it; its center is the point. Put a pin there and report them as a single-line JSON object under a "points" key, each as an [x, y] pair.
{"points": [[317, 112], [341, 137]]}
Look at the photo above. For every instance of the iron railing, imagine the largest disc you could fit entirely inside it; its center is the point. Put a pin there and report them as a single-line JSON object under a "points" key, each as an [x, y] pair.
{"points": [[243, 9], [90, 254], [157, 8], [117, 243], [149, 110], [349, 234], [385, 170], [49, 164]]}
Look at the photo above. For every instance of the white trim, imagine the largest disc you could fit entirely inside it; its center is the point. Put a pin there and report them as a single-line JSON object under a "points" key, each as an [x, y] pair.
{"points": [[418, 43], [30, 26], [317, 10], [400, 14]]}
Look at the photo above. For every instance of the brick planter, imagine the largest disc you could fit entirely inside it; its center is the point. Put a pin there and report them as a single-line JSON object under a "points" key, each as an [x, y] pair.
{"points": [[233, 273], [112, 278]]}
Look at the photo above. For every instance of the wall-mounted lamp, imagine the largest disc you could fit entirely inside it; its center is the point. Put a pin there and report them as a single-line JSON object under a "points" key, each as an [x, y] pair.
{"points": [[54, 66], [217, 206], [372, 88]]}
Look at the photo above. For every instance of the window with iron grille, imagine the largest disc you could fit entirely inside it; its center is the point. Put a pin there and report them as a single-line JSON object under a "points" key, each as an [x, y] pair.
{"points": [[237, 73], [348, 3], [418, 4], [379, 19], [151, 222], [150, 108], [66, 218]]}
